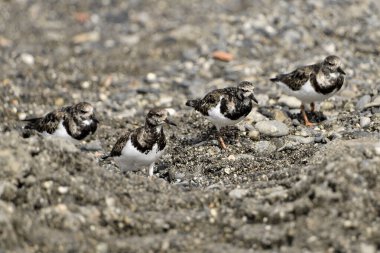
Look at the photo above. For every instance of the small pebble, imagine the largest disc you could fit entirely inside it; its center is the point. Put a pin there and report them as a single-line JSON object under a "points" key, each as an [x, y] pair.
{"points": [[254, 135], [291, 102], [264, 147], [22, 116], [272, 128], [374, 103], [365, 122], [222, 56], [280, 116], [59, 101], [320, 139], [85, 85], [27, 59], [238, 193], [151, 78], [327, 106], [362, 102], [296, 122], [300, 139], [63, 189]]}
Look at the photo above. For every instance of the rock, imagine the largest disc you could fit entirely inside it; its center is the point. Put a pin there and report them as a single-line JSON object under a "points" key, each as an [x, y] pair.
{"points": [[367, 248], [365, 122], [151, 78], [86, 37], [27, 59], [320, 139], [22, 116], [327, 105], [59, 101], [222, 56], [272, 128], [255, 116], [262, 99], [377, 99], [85, 84], [362, 102], [8, 191], [300, 139], [291, 102], [92, 146], [238, 193], [254, 135], [63, 189], [377, 149], [296, 122], [264, 147], [4, 42], [374, 103], [280, 115]]}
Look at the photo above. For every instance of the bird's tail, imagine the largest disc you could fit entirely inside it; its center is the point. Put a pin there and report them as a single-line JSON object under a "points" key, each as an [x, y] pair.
{"points": [[193, 103], [30, 122]]}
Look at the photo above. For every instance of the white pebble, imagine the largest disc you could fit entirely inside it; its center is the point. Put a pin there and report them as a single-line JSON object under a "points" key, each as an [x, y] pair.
{"points": [[27, 58], [364, 122]]}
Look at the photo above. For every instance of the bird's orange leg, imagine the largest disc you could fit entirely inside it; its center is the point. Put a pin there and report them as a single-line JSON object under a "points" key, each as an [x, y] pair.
{"points": [[312, 105], [307, 122], [220, 139]]}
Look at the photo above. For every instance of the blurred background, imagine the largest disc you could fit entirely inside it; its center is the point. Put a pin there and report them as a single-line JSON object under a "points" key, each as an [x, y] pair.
{"points": [[123, 54]]}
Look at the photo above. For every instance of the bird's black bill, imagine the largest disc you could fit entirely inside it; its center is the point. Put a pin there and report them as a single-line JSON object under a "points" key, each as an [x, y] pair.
{"points": [[341, 71], [254, 99], [168, 121], [95, 120]]}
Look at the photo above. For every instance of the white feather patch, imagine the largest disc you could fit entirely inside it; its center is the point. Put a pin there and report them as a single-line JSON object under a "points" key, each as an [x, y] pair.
{"points": [[131, 158], [59, 132], [218, 119], [307, 93]]}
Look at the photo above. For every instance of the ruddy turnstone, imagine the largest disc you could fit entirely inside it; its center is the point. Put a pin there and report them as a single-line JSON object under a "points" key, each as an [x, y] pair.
{"points": [[226, 106], [72, 122], [143, 146], [313, 83]]}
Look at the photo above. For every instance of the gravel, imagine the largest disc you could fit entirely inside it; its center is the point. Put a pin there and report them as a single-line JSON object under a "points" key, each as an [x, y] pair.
{"points": [[126, 57]]}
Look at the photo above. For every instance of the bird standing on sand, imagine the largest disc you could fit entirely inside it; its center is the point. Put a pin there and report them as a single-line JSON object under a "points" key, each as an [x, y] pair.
{"points": [[224, 107], [143, 146], [72, 122], [313, 83]]}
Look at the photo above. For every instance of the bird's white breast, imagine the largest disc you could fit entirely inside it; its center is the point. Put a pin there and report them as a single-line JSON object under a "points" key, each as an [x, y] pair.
{"points": [[306, 94], [132, 154], [218, 119], [59, 132], [87, 122]]}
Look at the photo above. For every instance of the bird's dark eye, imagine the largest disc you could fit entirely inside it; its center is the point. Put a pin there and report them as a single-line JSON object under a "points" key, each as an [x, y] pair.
{"points": [[83, 111]]}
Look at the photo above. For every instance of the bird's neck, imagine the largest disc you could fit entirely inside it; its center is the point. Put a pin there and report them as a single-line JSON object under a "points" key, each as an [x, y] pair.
{"points": [[152, 129]]}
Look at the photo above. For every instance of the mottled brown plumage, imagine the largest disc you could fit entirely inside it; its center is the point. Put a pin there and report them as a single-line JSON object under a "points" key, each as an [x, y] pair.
{"points": [[143, 138], [226, 106], [313, 82], [295, 79], [144, 145], [78, 121]]}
